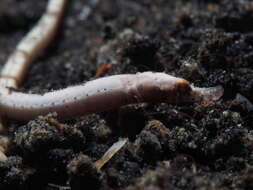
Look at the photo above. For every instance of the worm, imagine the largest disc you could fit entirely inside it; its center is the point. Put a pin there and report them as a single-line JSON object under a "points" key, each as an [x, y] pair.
{"points": [[32, 45], [95, 96], [104, 94], [29, 48]]}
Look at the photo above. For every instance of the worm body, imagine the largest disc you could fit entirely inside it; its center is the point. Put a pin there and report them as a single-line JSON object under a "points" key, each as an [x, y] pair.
{"points": [[104, 94], [32, 45]]}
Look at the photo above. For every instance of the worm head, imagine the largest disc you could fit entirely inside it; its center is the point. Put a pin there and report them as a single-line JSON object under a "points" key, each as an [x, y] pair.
{"points": [[175, 90], [206, 95]]}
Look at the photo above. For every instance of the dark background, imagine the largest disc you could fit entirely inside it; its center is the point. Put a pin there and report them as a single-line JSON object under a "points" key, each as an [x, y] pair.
{"points": [[186, 146]]}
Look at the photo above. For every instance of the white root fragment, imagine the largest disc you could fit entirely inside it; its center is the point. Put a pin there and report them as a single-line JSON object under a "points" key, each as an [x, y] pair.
{"points": [[59, 187], [5, 144], [5, 147], [104, 94], [111, 152], [32, 45], [3, 157]]}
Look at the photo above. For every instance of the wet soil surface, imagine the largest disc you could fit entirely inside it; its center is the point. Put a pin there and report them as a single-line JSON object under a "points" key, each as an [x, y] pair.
{"points": [[185, 146]]}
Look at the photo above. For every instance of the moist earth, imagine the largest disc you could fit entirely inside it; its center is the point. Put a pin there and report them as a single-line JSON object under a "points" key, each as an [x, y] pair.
{"points": [[183, 146]]}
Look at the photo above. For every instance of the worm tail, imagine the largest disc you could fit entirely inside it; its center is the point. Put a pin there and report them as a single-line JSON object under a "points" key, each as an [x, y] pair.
{"points": [[206, 95]]}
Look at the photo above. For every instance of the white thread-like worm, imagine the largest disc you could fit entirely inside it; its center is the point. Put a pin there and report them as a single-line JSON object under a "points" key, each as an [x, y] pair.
{"points": [[32, 45], [104, 94]]}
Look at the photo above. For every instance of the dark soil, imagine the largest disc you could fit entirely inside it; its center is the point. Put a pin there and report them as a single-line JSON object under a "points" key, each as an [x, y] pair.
{"points": [[182, 147]]}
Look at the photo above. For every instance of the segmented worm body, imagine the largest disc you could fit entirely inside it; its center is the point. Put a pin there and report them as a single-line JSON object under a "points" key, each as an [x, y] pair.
{"points": [[28, 49], [104, 94], [32, 45]]}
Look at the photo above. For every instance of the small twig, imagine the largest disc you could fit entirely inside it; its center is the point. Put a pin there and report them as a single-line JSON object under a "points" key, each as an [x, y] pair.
{"points": [[111, 152], [104, 94], [32, 45], [60, 187], [103, 69]]}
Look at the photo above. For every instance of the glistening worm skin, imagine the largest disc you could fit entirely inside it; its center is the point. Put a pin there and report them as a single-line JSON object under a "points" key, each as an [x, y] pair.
{"points": [[104, 94]]}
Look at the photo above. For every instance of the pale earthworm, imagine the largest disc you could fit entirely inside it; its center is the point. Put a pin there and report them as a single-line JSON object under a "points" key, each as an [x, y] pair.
{"points": [[32, 45], [104, 94], [95, 96], [28, 49]]}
